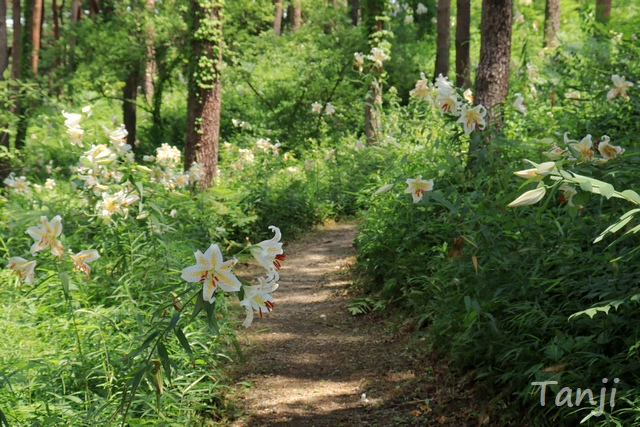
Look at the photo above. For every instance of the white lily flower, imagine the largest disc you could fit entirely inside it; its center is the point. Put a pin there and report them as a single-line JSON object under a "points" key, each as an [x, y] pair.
{"points": [[377, 56], [212, 272], [421, 9], [316, 108], [45, 235], [167, 155], [49, 184], [258, 297], [417, 187], [81, 259], [620, 86], [329, 109], [269, 253], [75, 136], [607, 150], [359, 58], [23, 268], [98, 155], [540, 172], [529, 198], [86, 109], [555, 153], [472, 118], [468, 96], [73, 120], [585, 148]]}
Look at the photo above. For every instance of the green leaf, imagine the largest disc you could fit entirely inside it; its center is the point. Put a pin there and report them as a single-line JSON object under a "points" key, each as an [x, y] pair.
{"points": [[199, 304], [140, 349], [3, 419], [164, 358], [631, 195], [607, 190], [210, 308], [184, 343], [64, 280], [174, 321], [586, 186]]}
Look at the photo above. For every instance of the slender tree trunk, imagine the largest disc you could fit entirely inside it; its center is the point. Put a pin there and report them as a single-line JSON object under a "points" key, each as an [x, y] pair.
{"points": [[492, 77], [296, 15], [16, 48], [463, 63], [130, 94], [75, 16], [35, 34], [94, 8], [56, 20], [603, 11], [4, 47], [551, 22], [277, 20], [443, 42], [150, 62], [354, 12], [205, 91]]}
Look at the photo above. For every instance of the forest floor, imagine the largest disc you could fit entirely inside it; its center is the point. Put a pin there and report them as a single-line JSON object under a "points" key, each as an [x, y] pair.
{"points": [[311, 363]]}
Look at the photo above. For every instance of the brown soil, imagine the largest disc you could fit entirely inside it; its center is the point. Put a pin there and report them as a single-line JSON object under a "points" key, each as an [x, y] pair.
{"points": [[311, 363]]}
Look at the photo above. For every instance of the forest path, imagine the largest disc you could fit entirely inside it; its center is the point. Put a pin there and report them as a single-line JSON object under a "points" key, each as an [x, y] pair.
{"points": [[310, 361]]}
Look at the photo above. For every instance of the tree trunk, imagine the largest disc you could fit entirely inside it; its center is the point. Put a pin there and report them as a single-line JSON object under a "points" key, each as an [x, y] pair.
{"points": [[492, 77], [205, 90], [35, 34], [94, 8], [354, 12], [150, 62], [130, 94], [296, 15], [75, 16], [603, 11], [463, 63], [15, 47], [4, 47], [443, 42], [551, 22], [277, 21], [56, 20]]}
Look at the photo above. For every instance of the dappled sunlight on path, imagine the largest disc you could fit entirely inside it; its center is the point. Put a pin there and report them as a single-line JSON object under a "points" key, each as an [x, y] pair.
{"points": [[310, 363]]}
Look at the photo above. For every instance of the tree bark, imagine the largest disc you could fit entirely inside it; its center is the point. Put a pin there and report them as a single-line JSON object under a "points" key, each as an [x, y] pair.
{"points": [[443, 41], [205, 92], [492, 77], [354, 12], [94, 8], [296, 15], [56, 20], [75, 16], [603, 11], [551, 22], [277, 20], [16, 47], [130, 94], [4, 47], [463, 63], [150, 62], [35, 34]]}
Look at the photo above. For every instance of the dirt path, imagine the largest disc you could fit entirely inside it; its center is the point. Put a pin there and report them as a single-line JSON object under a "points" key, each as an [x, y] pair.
{"points": [[311, 363]]}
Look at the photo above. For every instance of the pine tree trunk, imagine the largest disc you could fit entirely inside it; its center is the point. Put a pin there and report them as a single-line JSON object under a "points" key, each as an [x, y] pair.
{"points": [[296, 15], [551, 22], [443, 41], [17, 36], [75, 16], [277, 20], [354, 12], [492, 77], [150, 62], [130, 94], [603, 11], [205, 93], [56, 21], [4, 47], [35, 34], [463, 63]]}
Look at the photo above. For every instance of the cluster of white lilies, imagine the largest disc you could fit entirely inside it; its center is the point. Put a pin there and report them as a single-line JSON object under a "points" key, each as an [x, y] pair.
{"points": [[215, 274], [574, 151], [46, 236], [443, 95]]}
